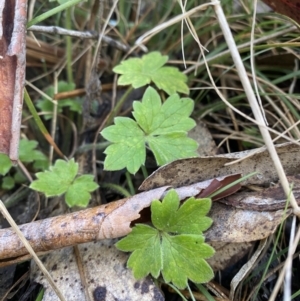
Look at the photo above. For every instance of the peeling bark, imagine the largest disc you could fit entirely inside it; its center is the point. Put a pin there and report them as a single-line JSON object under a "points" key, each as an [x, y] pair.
{"points": [[12, 73]]}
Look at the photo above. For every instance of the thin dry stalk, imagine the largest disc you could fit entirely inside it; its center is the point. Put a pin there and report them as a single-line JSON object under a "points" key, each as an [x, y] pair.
{"points": [[253, 103], [286, 264], [78, 34], [30, 250]]}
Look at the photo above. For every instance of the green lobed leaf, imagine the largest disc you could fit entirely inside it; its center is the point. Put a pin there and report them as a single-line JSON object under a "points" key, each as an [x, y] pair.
{"points": [[190, 218], [156, 118], [147, 112], [8, 183], [78, 193], [171, 147], [162, 126], [128, 150], [57, 179], [144, 241], [5, 164], [74, 104], [139, 72], [19, 177], [28, 153], [185, 256], [42, 163], [26, 150], [177, 257], [170, 80]]}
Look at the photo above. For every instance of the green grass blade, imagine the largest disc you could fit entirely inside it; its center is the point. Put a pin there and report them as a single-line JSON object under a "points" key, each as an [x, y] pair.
{"points": [[40, 123], [52, 12], [232, 184]]}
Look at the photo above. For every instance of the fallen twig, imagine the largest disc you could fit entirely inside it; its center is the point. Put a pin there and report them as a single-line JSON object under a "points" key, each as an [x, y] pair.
{"points": [[79, 34]]}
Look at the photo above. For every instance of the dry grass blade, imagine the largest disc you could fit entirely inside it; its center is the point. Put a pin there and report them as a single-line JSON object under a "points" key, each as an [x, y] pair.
{"points": [[30, 250], [254, 104]]}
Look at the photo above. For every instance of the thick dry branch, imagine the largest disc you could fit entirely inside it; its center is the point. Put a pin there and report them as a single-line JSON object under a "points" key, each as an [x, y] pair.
{"points": [[107, 221], [79, 34], [12, 73]]}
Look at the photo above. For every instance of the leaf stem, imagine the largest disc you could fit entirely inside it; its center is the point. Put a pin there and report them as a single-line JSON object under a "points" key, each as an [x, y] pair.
{"points": [[118, 106], [117, 188], [177, 291], [232, 184], [68, 23], [204, 291], [129, 182], [144, 171], [191, 293], [40, 123]]}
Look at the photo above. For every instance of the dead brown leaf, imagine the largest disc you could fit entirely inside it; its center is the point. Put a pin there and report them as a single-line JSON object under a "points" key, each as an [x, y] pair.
{"points": [[187, 171], [103, 271], [236, 225], [268, 199], [228, 253]]}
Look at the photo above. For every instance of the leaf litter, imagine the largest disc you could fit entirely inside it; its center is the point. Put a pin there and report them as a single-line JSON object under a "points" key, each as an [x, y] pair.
{"points": [[119, 215], [103, 271]]}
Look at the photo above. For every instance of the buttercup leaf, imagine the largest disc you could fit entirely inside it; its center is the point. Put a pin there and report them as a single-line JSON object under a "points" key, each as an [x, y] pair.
{"points": [[170, 147], [78, 193], [139, 72], [170, 80], [57, 179], [163, 127], [29, 153], [145, 244], [190, 218], [61, 178], [159, 250], [5, 164], [185, 256], [128, 150]]}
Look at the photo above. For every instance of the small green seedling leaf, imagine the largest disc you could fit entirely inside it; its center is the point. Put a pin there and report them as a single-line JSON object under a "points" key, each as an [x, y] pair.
{"points": [[163, 127], [139, 72], [7, 183], [176, 247], [19, 177], [167, 216], [28, 152], [128, 148], [78, 194], [5, 164], [57, 179], [61, 178], [46, 105]]}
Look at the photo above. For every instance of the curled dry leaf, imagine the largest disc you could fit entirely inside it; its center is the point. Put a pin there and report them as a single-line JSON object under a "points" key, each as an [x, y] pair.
{"points": [[236, 225], [12, 73], [268, 199], [187, 171], [228, 253], [290, 8], [247, 216]]}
